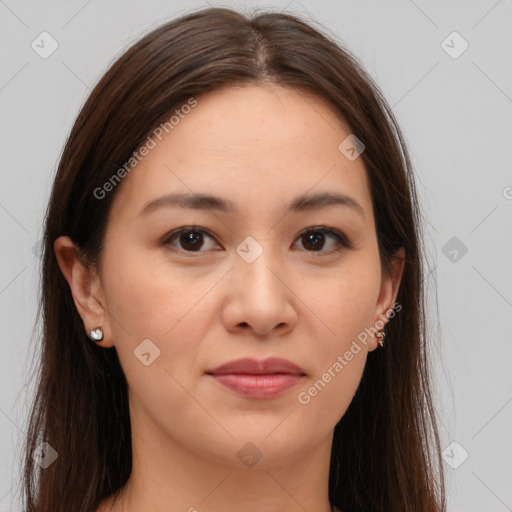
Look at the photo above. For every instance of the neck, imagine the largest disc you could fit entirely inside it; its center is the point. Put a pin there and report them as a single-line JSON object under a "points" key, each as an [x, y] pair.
{"points": [[168, 477]]}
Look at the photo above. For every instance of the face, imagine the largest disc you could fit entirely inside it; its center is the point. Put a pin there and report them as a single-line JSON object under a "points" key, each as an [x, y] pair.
{"points": [[255, 273]]}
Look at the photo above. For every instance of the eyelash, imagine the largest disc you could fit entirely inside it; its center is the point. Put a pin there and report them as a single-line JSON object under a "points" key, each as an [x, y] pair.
{"points": [[340, 238]]}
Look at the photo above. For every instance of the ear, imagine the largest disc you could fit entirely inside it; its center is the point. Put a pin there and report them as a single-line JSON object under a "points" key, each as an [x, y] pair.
{"points": [[388, 292], [86, 288]]}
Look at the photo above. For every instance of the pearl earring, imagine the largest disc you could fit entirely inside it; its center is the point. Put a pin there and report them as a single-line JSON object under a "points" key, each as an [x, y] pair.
{"points": [[96, 334]]}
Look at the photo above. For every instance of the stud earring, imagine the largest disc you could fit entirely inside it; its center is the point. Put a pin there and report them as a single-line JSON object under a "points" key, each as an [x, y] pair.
{"points": [[96, 334], [380, 337]]}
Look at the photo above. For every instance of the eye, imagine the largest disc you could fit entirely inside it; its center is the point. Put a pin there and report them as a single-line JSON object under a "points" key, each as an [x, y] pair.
{"points": [[190, 239], [315, 239]]}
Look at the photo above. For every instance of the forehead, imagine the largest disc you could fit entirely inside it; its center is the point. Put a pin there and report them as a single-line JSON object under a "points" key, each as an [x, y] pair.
{"points": [[247, 119], [254, 145]]}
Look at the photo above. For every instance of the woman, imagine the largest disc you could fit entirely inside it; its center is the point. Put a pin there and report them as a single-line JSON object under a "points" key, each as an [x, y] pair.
{"points": [[232, 286]]}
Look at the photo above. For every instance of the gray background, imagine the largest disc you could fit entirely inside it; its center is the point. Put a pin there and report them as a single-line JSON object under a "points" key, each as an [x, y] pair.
{"points": [[456, 115]]}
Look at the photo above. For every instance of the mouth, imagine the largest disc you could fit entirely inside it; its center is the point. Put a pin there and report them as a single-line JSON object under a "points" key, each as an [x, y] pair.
{"points": [[251, 378]]}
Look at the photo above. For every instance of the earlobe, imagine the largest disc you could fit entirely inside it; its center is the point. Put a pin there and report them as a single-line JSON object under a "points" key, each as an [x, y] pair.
{"points": [[84, 285]]}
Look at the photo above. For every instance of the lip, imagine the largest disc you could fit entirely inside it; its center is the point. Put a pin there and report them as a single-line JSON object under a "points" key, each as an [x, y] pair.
{"points": [[250, 366], [258, 379]]}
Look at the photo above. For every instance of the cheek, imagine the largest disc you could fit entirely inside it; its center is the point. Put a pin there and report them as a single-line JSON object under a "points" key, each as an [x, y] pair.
{"points": [[346, 299], [174, 309], [345, 304], [158, 312], [152, 302], [148, 294]]}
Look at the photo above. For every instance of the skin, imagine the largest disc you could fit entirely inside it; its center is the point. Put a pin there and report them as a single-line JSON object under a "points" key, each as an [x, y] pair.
{"points": [[259, 147]]}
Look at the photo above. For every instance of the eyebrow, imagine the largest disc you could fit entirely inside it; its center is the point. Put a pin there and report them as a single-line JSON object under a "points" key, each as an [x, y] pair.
{"points": [[213, 203]]}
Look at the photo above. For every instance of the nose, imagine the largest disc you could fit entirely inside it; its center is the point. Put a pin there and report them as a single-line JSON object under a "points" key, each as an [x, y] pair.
{"points": [[258, 298]]}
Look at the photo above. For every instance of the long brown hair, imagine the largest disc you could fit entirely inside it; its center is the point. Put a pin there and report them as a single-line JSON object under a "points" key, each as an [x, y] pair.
{"points": [[386, 451]]}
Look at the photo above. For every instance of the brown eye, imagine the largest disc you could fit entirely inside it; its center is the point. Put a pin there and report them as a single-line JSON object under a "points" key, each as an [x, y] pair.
{"points": [[189, 240], [315, 240], [321, 240]]}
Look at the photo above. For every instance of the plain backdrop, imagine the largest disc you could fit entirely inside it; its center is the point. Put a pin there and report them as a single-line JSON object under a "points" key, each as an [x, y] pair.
{"points": [[454, 105]]}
